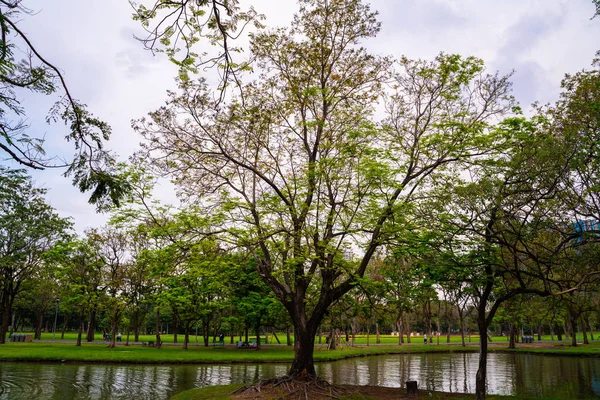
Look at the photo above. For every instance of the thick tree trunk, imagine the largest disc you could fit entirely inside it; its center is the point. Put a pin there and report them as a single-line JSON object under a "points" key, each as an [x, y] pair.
{"points": [[304, 346], [584, 332], [559, 335], [513, 334], [573, 329], [89, 337], [333, 340], [206, 333], [6, 309], [38, 329], [539, 333], [480, 378]]}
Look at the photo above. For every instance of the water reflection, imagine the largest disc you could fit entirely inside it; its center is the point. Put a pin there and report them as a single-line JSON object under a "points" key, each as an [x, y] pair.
{"points": [[508, 374]]}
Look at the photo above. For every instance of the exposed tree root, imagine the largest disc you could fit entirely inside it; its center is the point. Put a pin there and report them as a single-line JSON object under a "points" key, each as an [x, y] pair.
{"points": [[300, 387]]}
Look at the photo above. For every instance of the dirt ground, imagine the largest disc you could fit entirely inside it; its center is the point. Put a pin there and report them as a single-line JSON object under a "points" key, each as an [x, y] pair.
{"points": [[329, 392]]}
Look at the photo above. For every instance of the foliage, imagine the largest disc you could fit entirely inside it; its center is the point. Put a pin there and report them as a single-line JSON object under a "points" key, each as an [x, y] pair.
{"points": [[28, 228], [179, 27], [297, 167]]}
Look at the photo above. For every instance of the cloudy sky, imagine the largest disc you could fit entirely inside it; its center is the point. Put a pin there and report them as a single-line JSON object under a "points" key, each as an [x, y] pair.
{"points": [[92, 41]]}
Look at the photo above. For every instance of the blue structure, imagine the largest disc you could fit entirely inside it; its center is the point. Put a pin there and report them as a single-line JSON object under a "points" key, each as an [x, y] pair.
{"points": [[585, 226]]}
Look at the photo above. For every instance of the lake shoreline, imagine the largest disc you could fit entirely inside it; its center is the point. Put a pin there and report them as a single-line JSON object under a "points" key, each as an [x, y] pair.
{"points": [[38, 352]]}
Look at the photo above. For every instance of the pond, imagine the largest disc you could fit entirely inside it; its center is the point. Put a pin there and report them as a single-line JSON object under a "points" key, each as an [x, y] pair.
{"points": [[510, 374]]}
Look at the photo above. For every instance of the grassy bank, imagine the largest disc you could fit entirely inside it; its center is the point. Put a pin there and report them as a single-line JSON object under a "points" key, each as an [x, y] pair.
{"points": [[40, 351], [99, 352]]}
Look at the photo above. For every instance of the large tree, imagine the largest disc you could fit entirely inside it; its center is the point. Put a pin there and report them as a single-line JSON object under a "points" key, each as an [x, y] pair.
{"points": [[305, 178]]}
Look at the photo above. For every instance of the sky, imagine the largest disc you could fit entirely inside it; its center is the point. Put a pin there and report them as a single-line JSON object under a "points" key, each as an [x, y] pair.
{"points": [[92, 42]]}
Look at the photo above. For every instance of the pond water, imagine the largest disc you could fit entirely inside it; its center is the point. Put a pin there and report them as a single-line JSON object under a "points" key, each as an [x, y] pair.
{"points": [[510, 374]]}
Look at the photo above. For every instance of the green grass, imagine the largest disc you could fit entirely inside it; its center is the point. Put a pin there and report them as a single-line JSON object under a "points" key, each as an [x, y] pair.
{"points": [[99, 352]]}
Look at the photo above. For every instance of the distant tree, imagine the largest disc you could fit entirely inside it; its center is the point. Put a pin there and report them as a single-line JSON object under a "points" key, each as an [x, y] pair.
{"points": [[79, 274], [28, 228]]}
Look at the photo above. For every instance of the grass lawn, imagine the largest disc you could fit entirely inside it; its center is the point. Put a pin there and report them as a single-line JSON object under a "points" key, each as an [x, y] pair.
{"points": [[59, 351], [98, 351]]}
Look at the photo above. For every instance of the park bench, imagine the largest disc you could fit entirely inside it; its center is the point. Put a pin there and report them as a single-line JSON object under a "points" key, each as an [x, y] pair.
{"points": [[150, 343], [219, 343]]}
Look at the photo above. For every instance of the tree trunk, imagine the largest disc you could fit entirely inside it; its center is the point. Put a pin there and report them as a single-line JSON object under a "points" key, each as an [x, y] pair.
{"points": [[559, 335], [408, 332], [206, 332], [304, 345], [6, 309], [64, 328], [377, 338], [461, 318], [186, 338], [38, 329], [89, 337], [584, 332], [539, 333], [158, 342], [512, 334], [136, 325], [400, 331], [480, 377], [333, 339], [289, 336], [175, 327], [573, 328], [257, 329], [80, 330]]}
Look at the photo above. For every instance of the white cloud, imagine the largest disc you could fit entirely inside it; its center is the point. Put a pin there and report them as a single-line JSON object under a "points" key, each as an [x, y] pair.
{"points": [[106, 68]]}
